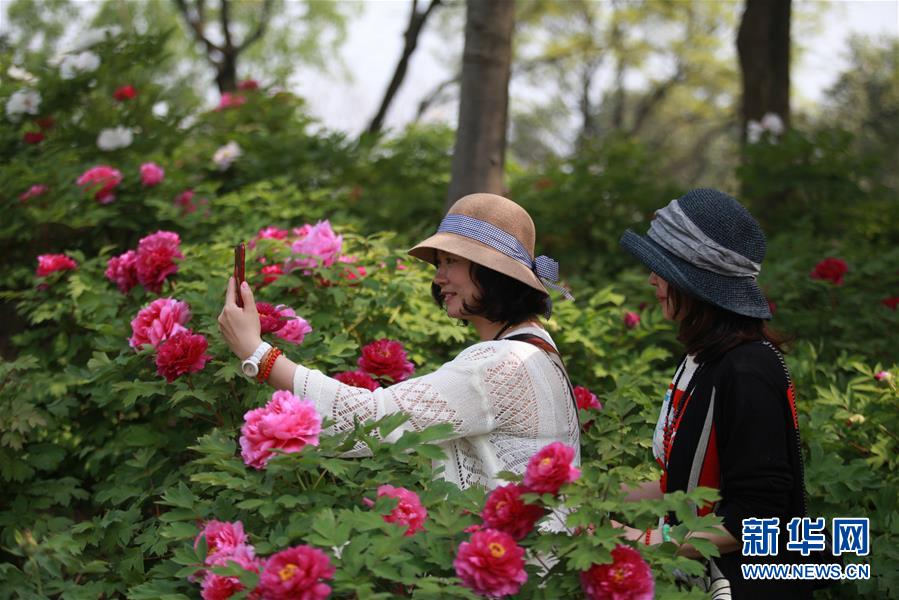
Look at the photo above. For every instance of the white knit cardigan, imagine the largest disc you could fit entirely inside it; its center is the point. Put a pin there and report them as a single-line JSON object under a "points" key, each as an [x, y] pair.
{"points": [[505, 400]]}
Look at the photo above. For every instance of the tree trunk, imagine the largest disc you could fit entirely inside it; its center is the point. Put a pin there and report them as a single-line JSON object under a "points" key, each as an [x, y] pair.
{"points": [[763, 45], [479, 154]]}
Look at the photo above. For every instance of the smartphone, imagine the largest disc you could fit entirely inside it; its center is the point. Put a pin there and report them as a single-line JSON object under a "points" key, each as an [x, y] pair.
{"points": [[239, 274]]}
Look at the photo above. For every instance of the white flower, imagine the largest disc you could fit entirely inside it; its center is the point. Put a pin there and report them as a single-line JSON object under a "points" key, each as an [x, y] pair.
{"points": [[94, 36], [115, 138], [754, 131], [225, 156], [773, 123], [21, 74], [72, 65], [21, 102]]}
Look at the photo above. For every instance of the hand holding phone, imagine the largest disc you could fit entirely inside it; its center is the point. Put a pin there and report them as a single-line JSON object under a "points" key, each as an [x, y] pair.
{"points": [[239, 274]]}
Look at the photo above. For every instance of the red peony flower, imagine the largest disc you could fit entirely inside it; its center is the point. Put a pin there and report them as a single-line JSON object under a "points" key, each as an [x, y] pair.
{"points": [[222, 539], [631, 319], [229, 100], [491, 564], [409, 510], [151, 174], [550, 469], [586, 400], [505, 511], [50, 263], [218, 587], [184, 200], [248, 84], [286, 423], [33, 192], [271, 273], [296, 574], [891, 303], [158, 321], [126, 92], [269, 317], [359, 379], [386, 359], [103, 177], [883, 376], [33, 137], [627, 578], [831, 269], [156, 256], [772, 307], [184, 352], [45, 123], [122, 271]]}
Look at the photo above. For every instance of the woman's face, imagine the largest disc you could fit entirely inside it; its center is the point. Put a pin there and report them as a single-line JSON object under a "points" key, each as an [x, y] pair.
{"points": [[453, 277], [661, 287]]}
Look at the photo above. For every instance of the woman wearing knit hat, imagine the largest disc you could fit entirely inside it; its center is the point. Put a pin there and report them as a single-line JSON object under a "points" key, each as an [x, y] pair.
{"points": [[728, 419], [506, 397]]}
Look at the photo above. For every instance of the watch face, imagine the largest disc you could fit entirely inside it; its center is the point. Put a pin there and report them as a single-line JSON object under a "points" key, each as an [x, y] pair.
{"points": [[249, 369]]}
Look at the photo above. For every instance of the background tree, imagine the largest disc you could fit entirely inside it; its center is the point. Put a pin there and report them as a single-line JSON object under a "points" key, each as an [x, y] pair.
{"points": [[763, 45], [479, 153]]}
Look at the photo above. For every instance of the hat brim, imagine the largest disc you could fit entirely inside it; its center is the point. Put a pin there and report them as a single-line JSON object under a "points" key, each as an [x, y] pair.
{"points": [[476, 252], [740, 295]]}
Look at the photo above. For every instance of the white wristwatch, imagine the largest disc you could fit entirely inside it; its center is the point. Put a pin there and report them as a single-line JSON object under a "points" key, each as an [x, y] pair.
{"points": [[250, 366]]}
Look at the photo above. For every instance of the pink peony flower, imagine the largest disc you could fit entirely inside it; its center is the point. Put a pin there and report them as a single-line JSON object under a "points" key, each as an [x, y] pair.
{"points": [[217, 587], [883, 376], [269, 318], [319, 246], [550, 469], [223, 538], [294, 328], [631, 319], [122, 271], [296, 574], [358, 379], [386, 358], [627, 578], [158, 321], [830, 269], [33, 192], [505, 511], [151, 174], [248, 84], [491, 564], [891, 303], [286, 423], [271, 233], [103, 177], [184, 352], [156, 256], [126, 92], [229, 100], [33, 137], [409, 510], [271, 273], [50, 263], [185, 200]]}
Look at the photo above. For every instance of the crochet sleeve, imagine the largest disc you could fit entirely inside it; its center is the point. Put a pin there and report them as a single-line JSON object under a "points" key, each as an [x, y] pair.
{"points": [[461, 392]]}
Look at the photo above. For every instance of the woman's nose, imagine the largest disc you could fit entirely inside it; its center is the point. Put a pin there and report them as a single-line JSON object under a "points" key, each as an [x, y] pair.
{"points": [[440, 276]]}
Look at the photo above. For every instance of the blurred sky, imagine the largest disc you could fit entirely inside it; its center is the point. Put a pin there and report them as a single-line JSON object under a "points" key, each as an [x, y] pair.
{"points": [[374, 45]]}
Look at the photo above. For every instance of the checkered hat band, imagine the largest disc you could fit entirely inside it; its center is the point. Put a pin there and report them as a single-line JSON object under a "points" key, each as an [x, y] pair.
{"points": [[502, 241], [674, 231]]}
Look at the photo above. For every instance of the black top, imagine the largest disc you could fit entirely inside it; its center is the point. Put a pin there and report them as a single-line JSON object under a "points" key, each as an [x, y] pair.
{"points": [[758, 450]]}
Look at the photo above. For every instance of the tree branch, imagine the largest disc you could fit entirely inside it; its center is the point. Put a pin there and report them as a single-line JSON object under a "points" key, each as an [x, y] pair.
{"points": [[413, 31], [651, 100], [196, 23], [260, 27], [225, 21], [435, 94]]}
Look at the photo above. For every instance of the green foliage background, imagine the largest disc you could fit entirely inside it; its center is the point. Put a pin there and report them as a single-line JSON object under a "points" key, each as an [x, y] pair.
{"points": [[108, 471]]}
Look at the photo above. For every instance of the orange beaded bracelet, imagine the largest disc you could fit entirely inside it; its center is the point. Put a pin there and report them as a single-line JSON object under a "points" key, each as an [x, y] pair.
{"points": [[267, 364]]}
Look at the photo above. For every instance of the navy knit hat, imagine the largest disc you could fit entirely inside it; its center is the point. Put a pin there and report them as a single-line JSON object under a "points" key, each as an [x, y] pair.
{"points": [[708, 245]]}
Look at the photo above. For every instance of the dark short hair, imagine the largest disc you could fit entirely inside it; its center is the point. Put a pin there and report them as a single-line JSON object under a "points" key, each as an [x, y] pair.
{"points": [[501, 299], [708, 331]]}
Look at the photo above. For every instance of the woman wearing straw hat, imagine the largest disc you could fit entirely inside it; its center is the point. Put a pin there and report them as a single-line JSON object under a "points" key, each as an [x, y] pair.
{"points": [[728, 419], [506, 397]]}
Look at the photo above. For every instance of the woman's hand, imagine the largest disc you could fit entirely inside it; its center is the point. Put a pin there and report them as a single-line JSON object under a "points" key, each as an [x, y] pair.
{"points": [[240, 326], [629, 533]]}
